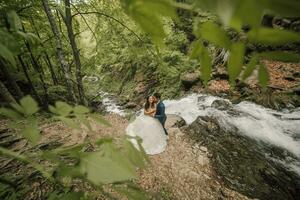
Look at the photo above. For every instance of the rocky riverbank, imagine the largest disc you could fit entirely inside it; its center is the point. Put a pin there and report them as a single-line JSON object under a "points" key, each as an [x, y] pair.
{"points": [[249, 148], [242, 163], [184, 170]]}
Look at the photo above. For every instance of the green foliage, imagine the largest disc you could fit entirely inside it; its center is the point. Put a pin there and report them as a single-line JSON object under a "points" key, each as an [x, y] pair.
{"points": [[138, 158], [24, 111], [263, 76], [281, 56], [9, 113], [9, 46], [200, 52], [100, 119], [67, 196], [236, 60], [109, 163], [214, 34], [129, 53], [61, 108], [132, 192], [237, 14], [7, 54], [148, 15], [250, 67], [31, 131], [248, 12], [14, 21], [28, 105], [273, 36], [72, 115]]}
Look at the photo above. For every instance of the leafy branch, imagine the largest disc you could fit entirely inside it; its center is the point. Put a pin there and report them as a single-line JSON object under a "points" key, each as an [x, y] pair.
{"points": [[107, 164]]}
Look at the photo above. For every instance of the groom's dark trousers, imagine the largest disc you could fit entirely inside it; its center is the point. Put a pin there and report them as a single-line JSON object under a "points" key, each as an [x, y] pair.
{"points": [[161, 115]]}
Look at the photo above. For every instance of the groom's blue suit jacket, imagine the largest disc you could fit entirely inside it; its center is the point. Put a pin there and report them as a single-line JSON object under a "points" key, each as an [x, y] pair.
{"points": [[160, 113]]}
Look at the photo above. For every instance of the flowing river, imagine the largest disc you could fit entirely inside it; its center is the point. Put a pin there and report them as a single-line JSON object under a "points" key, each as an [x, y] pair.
{"points": [[280, 129], [277, 128]]}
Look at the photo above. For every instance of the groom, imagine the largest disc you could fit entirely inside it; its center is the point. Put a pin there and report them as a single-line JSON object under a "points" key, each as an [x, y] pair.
{"points": [[160, 110]]}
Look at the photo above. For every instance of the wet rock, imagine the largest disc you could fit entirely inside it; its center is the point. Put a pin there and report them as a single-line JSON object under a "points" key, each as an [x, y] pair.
{"points": [[220, 74], [123, 101], [203, 160], [289, 78], [242, 164], [130, 105], [140, 88], [296, 90], [189, 79], [97, 106], [174, 121], [296, 25], [221, 104], [296, 75], [204, 149]]}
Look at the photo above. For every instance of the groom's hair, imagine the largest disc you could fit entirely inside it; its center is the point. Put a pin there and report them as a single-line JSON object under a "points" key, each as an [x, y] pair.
{"points": [[157, 95]]}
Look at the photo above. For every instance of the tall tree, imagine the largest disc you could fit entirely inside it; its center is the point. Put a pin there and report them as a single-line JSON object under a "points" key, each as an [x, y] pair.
{"points": [[12, 82], [38, 68], [46, 58], [68, 21], [25, 70], [59, 51], [5, 94]]}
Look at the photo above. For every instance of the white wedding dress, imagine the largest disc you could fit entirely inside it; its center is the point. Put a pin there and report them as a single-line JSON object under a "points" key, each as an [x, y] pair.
{"points": [[149, 129]]}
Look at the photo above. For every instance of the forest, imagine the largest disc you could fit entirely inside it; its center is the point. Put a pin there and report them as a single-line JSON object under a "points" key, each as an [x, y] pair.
{"points": [[76, 73]]}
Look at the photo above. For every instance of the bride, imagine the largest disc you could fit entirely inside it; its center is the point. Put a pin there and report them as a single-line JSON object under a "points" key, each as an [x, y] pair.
{"points": [[149, 129]]}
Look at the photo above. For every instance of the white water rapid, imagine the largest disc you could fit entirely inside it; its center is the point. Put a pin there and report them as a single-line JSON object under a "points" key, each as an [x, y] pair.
{"points": [[110, 104], [255, 121], [281, 129]]}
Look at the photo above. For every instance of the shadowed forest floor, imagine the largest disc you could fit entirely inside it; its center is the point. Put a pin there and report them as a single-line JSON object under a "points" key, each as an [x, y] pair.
{"points": [[181, 172]]}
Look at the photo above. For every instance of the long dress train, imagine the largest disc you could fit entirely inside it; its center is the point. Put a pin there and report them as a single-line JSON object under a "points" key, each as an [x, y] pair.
{"points": [[149, 129]]}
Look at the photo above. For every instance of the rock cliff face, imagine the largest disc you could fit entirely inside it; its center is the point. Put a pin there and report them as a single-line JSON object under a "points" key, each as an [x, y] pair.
{"points": [[245, 164]]}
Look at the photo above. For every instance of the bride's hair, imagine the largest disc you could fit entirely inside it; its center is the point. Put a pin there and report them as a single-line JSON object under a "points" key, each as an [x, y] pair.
{"points": [[147, 104]]}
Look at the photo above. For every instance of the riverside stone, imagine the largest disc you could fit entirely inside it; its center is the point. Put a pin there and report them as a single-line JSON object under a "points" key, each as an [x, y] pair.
{"points": [[242, 162], [189, 79], [174, 121]]}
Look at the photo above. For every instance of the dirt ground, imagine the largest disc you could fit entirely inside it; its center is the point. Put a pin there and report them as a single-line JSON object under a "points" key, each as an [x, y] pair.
{"points": [[181, 172]]}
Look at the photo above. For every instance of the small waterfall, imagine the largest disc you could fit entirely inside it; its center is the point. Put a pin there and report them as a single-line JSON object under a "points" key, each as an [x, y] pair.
{"points": [[281, 129], [110, 104], [108, 100]]}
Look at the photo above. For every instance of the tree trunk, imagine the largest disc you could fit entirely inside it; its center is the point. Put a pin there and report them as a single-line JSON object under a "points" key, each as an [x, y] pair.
{"points": [[47, 59], [39, 70], [76, 56], [59, 51], [5, 94], [51, 69], [25, 70], [12, 82]]}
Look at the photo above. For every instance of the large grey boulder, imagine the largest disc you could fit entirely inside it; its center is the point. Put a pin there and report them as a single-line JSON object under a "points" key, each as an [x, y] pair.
{"points": [[174, 121], [244, 164], [220, 74], [130, 105], [221, 104], [189, 79]]}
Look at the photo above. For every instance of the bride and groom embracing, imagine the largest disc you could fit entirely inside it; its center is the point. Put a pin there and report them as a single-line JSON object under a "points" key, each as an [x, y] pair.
{"points": [[150, 126]]}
